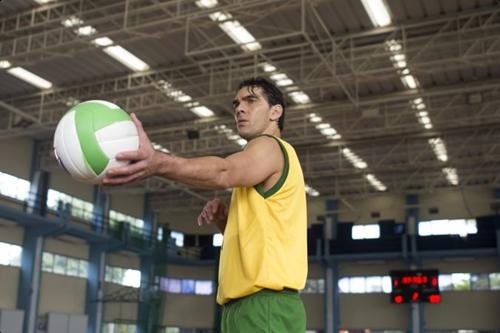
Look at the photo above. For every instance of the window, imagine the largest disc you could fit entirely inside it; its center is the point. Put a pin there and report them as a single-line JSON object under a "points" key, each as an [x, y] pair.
{"points": [[187, 286], [460, 281], [495, 281], [119, 328], [59, 264], [203, 288], [14, 187], [115, 216], [367, 231], [10, 254], [123, 276], [172, 330], [217, 240], [311, 286], [179, 238], [79, 208], [174, 286], [357, 285], [445, 282], [374, 284], [479, 282], [459, 227]]}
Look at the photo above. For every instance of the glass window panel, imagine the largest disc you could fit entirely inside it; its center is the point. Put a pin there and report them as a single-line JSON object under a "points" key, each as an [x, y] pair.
{"points": [[60, 264], [311, 286], [344, 285], [203, 288], [495, 281], [83, 269], [357, 285], [460, 281], [424, 228], [187, 286], [132, 278], [47, 262], [217, 240], [373, 284], [479, 282], [174, 286], [386, 284], [108, 275], [164, 284], [4, 254], [72, 267], [15, 255], [172, 330], [321, 286], [179, 238], [445, 282]]}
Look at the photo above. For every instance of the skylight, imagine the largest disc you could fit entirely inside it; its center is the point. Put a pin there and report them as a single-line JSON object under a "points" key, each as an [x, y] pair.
{"points": [[29, 77]]}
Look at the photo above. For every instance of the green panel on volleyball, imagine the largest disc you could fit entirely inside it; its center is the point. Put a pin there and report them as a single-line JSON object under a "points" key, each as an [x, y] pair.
{"points": [[89, 118]]}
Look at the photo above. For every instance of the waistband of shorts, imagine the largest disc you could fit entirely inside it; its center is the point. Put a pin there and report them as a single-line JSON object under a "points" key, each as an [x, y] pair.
{"points": [[265, 291]]}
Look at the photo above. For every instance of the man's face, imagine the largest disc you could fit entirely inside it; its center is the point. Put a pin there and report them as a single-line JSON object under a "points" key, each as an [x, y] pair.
{"points": [[251, 112]]}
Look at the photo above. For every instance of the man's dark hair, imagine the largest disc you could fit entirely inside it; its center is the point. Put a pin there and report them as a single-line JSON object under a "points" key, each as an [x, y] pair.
{"points": [[272, 93]]}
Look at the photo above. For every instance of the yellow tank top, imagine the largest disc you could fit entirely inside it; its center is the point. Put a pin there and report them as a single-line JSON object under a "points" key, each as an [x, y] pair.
{"points": [[265, 240]]}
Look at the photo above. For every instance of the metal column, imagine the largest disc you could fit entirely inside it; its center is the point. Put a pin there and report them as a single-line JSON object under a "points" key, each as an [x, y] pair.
{"points": [[31, 259], [145, 316], [331, 300], [97, 265], [412, 219]]}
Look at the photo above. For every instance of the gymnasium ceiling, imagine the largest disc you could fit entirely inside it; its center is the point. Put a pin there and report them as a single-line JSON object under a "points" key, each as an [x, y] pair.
{"points": [[383, 133]]}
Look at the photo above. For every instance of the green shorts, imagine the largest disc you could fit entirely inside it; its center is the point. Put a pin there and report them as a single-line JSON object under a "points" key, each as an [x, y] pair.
{"points": [[266, 311]]}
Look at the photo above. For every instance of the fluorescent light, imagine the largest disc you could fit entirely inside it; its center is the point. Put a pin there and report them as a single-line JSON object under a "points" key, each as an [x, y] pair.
{"points": [[4, 64], [284, 82], [202, 111], [242, 142], [279, 76], [328, 131], [379, 186], [315, 119], [409, 81], [86, 31], [428, 126], [72, 21], [451, 175], [103, 41], [29, 77], [159, 147], [299, 97], [126, 58], [336, 137], [322, 126], [311, 191], [240, 35], [423, 114], [439, 149], [206, 3], [378, 12], [43, 2], [268, 68]]}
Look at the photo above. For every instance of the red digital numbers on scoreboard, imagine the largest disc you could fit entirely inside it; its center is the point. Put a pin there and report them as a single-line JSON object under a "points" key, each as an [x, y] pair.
{"points": [[415, 286]]}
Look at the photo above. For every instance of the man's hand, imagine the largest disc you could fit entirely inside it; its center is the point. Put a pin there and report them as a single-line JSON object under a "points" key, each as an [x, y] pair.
{"points": [[214, 212], [144, 161]]}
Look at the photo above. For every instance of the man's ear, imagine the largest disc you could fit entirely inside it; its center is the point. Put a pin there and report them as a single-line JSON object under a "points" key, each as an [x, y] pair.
{"points": [[276, 112]]}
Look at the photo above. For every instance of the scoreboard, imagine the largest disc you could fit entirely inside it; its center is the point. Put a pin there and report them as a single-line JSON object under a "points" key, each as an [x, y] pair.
{"points": [[411, 286]]}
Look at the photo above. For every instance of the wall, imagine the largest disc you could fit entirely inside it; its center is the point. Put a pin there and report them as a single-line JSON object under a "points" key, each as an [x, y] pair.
{"points": [[9, 282], [63, 294], [17, 157]]}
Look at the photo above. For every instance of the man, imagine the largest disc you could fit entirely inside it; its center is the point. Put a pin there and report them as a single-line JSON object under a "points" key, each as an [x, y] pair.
{"points": [[263, 261]]}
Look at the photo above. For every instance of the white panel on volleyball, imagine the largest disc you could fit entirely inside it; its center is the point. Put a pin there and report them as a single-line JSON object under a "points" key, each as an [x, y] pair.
{"points": [[117, 137], [71, 155]]}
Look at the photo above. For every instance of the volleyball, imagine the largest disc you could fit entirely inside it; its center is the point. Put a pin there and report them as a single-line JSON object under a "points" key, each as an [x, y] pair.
{"points": [[88, 137]]}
